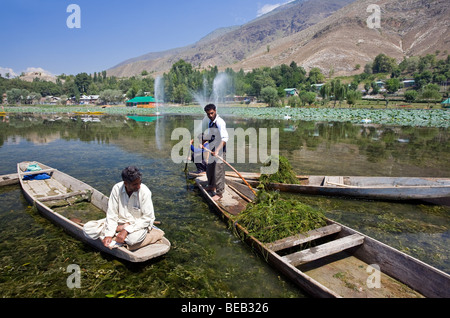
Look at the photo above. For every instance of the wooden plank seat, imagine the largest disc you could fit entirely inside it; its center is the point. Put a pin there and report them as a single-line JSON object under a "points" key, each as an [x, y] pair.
{"points": [[64, 196], [29, 173], [304, 238], [317, 252]]}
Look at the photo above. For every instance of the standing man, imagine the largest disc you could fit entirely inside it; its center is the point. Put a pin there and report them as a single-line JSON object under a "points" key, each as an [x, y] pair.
{"points": [[217, 138], [130, 216]]}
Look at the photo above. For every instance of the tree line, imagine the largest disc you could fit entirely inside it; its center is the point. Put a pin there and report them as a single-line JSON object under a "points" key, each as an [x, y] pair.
{"points": [[183, 81]]}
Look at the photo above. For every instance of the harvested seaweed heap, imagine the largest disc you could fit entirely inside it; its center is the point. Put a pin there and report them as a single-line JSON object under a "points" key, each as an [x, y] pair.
{"points": [[270, 218], [285, 173]]}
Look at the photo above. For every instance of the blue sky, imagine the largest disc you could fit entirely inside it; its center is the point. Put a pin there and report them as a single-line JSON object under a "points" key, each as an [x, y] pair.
{"points": [[35, 34]]}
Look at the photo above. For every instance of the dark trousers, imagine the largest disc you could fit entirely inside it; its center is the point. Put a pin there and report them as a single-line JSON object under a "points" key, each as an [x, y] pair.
{"points": [[215, 172], [198, 160]]}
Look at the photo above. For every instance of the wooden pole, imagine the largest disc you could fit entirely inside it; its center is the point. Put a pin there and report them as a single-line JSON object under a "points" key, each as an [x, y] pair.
{"points": [[187, 160], [245, 181]]}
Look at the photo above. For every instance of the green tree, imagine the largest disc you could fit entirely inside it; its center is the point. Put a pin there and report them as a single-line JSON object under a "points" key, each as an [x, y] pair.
{"points": [[17, 95], [270, 96], [431, 93], [392, 85], [111, 96], [353, 96], [33, 97], [316, 76], [181, 94], [325, 91], [375, 88], [262, 78], [131, 93], [338, 91], [308, 97], [83, 80], [383, 64], [411, 96], [294, 101]]}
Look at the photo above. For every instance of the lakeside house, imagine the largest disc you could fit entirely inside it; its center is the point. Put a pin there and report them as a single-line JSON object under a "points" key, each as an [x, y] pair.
{"points": [[317, 87], [89, 99], [49, 100], [291, 92], [142, 102], [409, 83]]}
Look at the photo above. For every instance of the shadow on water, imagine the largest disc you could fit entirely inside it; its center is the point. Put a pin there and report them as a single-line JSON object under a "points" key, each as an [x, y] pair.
{"points": [[206, 259]]}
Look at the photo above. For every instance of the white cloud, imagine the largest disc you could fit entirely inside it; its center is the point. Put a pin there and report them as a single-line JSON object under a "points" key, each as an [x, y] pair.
{"points": [[4, 70], [270, 7]]}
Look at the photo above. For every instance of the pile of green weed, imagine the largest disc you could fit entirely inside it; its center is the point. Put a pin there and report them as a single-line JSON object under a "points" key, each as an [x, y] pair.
{"points": [[285, 173], [270, 218]]}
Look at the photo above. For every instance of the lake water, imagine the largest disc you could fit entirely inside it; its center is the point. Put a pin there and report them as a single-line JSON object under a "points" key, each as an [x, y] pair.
{"points": [[206, 259]]}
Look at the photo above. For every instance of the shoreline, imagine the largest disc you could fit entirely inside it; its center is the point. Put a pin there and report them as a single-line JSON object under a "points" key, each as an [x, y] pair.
{"points": [[439, 118]]}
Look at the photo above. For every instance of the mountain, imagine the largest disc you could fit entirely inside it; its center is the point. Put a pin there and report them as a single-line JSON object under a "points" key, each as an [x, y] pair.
{"points": [[232, 45], [333, 35], [341, 41]]}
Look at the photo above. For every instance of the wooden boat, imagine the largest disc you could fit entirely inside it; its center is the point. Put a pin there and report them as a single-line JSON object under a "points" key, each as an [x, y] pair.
{"points": [[9, 179], [98, 113], [337, 264], [53, 196], [377, 188]]}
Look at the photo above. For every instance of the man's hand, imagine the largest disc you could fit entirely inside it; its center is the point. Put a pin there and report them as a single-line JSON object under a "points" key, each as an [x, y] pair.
{"points": [[121, 227], [107, 241], [120, 238]]}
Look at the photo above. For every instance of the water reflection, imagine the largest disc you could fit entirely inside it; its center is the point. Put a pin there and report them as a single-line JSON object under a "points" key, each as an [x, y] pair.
{"points": [[206, 259]]}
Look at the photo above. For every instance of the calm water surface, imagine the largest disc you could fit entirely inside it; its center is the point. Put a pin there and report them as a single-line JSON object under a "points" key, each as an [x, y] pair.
{"points": [[206, 260]]}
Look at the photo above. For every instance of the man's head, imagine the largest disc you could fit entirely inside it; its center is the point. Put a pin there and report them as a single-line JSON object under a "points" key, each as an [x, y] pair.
{"points": [[132, 178], [210, 111]]}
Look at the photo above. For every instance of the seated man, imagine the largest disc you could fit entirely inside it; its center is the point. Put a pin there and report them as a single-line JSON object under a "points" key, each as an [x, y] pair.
{"points": [[199, 155], [130, 214]]}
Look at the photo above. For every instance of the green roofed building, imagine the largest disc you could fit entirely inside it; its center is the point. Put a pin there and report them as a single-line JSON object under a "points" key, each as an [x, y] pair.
{"points": [[446, 103], [142, 102], [291, 92]]}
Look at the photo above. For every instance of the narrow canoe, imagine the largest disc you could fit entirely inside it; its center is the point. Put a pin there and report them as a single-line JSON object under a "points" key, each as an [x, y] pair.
{"points": [[377, 188], [9, 179], [341, 262], [90, 113], [60, 191]]}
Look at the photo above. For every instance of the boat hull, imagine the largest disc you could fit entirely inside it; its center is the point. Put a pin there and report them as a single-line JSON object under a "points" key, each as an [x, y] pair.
{"points": [[418, 276], [99, 200], [376, 188]]}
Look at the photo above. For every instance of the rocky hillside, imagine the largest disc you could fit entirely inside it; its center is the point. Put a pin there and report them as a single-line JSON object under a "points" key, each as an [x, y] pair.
{"points": [[330, 34], [343, 40], [228, 46]]}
